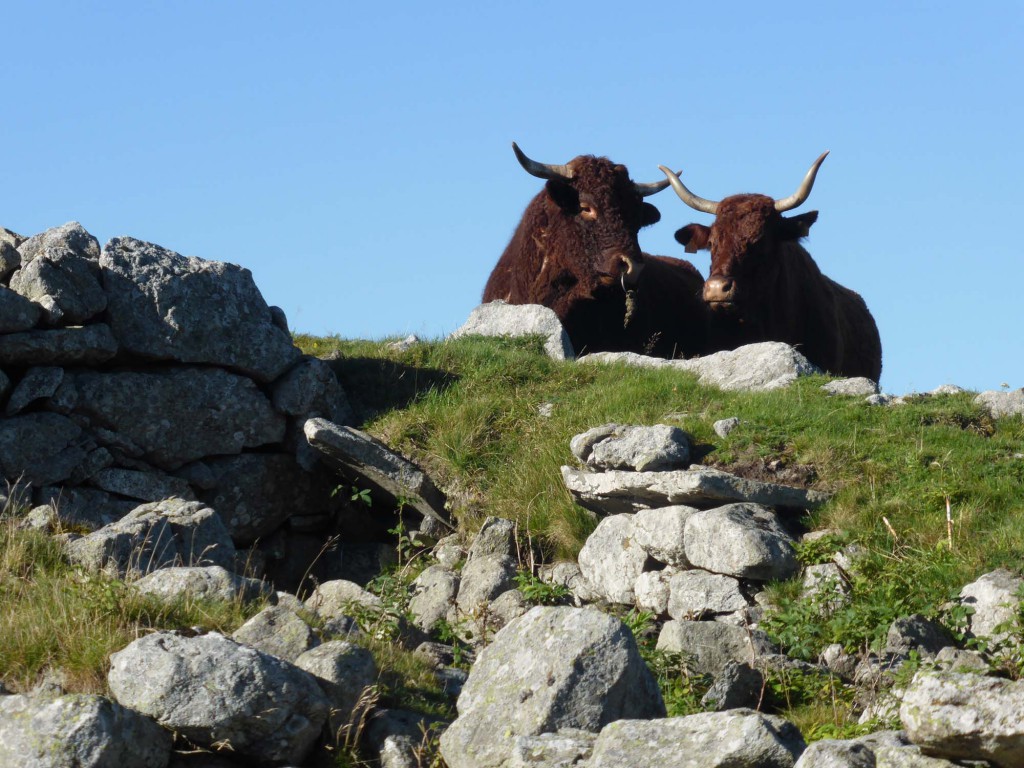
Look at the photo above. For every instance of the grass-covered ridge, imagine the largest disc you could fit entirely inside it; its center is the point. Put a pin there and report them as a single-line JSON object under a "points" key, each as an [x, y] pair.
{"points": [[469, 411]]}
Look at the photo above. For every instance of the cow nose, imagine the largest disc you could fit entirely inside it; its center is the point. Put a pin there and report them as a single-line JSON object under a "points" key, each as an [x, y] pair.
{"points": [[630, 269], [719, 289]]}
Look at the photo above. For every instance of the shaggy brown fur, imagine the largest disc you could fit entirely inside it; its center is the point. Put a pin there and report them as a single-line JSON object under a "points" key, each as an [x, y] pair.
{"points": [[568, 254], [778, 293]]}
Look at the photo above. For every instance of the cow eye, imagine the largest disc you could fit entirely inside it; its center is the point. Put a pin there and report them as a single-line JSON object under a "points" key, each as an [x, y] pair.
{"points": [[588, 212]]}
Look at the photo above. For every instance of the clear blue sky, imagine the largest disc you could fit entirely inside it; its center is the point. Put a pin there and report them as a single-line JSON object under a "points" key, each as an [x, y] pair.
{"points": [[357, 156]]}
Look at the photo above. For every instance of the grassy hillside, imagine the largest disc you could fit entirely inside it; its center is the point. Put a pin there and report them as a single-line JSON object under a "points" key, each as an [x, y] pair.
{"points": [[491, 421], [469, 411]]}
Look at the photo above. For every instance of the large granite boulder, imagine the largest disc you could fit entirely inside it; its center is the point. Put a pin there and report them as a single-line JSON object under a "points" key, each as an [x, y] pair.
{"points": [[215, 691], [165, 306], [78, 730], [551, 669]]}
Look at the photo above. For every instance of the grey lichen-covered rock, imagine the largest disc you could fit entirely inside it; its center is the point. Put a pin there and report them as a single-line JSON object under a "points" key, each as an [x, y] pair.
{"points": [[334, 598], [566, 749], [551, 669], [66, 284], [435, 590], [344, 671], [84, 508], [88, 345], [917, 633], [497, 536], [964, 716], [389, 477], [80, 731], [640, 448], [210, 582], [617, 491], [723, 427], [739, 737], [611, 560], [70, 237], [833, 753], [582, 444], [10, 259], [311, 389], [1002, 404], [753, 368], [736, 685], [482, 579], [36, 384], [165, 306], [994, 598], [213, 690], [826, 584], [497, 318], [16, 312], [661, 533], [693, 593], [141, 485], [651, 590], [41, 448], [174, 415], [910, 756], [742, 540], [157, 535], [858, 385], [278, 631], [713, 644]]}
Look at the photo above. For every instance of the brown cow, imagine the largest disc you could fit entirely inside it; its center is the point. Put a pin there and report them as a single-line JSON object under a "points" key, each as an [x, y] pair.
{"points": [[764, 286], [576, 251]]}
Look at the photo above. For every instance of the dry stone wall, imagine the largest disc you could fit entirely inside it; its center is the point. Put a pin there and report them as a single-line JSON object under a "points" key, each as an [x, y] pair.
{"points": [[133, 374]]}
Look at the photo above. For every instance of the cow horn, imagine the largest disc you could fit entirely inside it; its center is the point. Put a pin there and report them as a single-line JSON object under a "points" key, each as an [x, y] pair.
{"points": [[541, 170], [646, 190], [697, 203], [798, 197]]}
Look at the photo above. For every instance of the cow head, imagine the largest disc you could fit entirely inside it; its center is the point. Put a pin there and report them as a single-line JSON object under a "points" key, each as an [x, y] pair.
{"points": [[603, 210], [745, 239]]}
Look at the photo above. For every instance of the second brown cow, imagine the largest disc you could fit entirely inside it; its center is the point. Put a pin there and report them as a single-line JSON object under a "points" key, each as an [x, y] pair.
{"points": [[763, 285]]}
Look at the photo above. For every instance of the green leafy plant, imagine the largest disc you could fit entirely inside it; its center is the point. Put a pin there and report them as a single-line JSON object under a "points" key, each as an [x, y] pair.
{"points": [[538, 592]]}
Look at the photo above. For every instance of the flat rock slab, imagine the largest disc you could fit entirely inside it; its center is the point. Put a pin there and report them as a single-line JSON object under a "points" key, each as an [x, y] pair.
{"points": [[739, 737], [617, 491], [390, 477], [497, 318], [88, 345], [750, 368]]}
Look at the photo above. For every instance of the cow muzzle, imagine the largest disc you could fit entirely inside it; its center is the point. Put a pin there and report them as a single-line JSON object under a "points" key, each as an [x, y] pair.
{"points": [[629, 271], [720, 291]]}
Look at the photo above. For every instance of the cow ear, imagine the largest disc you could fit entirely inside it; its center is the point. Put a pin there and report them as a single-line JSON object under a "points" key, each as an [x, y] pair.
{"points": [[565, 195], [795, 227], [650, 215], [694, 237]]}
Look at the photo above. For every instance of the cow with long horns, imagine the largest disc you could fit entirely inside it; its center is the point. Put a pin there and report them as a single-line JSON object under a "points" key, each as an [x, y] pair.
{"points": [[576, 251], [763, 286]]}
